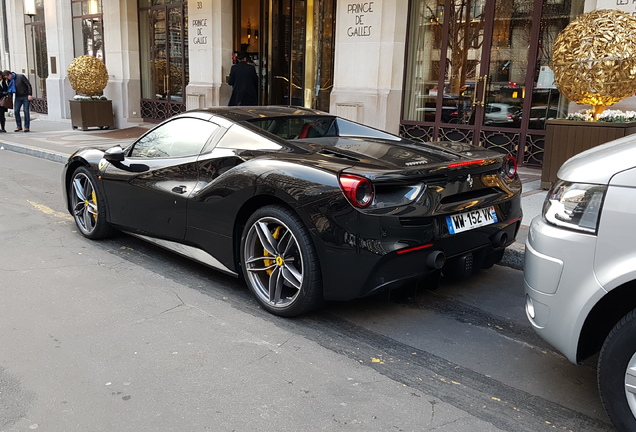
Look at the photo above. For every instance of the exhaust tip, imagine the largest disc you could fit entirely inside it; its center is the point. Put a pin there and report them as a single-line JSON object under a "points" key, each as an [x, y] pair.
{"points": [[436, 260], [500, 239]]}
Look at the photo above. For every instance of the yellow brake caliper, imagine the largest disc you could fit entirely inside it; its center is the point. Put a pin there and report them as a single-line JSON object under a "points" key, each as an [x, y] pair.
{"points": [[269, 262], [94, 199]]}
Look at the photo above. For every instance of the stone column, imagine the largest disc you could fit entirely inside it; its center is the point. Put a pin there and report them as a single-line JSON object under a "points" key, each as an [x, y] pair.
{"points": [[210, 52], [121, 54], [369, 61], [59, 44]]}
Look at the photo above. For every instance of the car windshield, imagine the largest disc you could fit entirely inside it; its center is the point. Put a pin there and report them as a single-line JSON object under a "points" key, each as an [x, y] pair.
{"points": [[301, 127]]}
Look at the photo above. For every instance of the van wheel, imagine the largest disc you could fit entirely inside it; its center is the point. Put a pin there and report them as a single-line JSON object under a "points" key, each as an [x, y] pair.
{"points": [[617, 373]]}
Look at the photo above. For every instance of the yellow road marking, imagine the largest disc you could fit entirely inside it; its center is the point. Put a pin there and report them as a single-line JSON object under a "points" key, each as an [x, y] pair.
{"points": [[49, 211]]}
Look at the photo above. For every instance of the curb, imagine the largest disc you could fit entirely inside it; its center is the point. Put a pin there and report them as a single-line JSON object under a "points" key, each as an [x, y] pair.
{"points": [[34, 151], [514, 256]]}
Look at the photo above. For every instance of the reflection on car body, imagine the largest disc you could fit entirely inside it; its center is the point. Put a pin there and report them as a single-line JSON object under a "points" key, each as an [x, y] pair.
{"points": [[304, 205]]}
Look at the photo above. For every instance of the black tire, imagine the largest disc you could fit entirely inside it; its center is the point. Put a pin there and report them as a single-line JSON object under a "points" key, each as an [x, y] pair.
{"points": [[617, 369], [88, 205], [279, 262]]}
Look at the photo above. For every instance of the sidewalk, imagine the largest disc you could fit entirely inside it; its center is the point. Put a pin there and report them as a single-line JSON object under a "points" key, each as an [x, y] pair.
{"points": [[57, 140]]}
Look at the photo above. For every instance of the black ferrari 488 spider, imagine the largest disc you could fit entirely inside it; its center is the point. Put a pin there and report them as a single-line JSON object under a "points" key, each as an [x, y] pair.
{"points": [[304, 205]]}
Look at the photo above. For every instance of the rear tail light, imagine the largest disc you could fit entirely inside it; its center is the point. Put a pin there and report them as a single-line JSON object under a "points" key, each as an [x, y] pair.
{"points": [[357, 189], [509, 167], [466, 163]]}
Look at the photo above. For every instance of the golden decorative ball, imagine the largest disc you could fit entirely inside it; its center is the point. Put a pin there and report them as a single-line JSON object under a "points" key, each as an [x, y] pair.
{"points": [[88, 75], [594, 58]]}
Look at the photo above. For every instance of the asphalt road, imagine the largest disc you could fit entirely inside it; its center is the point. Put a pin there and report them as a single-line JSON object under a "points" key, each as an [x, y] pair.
{"points": [[118, 335]]}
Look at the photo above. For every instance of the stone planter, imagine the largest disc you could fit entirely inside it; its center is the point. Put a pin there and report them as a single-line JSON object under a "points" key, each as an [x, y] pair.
{"points": [[565, 138], [94, 113]]}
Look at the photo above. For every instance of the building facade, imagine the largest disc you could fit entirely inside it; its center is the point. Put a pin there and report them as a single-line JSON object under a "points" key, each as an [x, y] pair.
{"points": [[462, 70]]}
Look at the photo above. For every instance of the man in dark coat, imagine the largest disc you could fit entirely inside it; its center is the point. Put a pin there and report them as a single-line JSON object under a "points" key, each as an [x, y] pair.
{"points": [[244, 82], [20, 85]]}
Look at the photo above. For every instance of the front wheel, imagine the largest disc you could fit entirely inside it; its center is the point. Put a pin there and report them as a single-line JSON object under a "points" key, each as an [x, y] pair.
{"points": [[279, 262], [87, 205], [617, 374]]}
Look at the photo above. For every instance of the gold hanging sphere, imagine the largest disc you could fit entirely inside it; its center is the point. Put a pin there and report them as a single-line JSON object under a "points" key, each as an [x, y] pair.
{"points": [[594, 58], [88, 75]]}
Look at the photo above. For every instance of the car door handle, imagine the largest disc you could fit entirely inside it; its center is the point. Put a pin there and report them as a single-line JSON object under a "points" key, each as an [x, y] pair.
{"points": [[179, 189]]}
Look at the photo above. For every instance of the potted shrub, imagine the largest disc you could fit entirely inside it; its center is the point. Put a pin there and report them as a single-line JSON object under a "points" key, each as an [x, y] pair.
{"points": [[88, 77]]}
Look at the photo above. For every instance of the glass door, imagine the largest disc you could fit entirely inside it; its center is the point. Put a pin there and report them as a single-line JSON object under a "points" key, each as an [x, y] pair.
{"points": [[469, 65], [164, 58], [486, 67], [504, 80], [297, 52], [445, 62]]}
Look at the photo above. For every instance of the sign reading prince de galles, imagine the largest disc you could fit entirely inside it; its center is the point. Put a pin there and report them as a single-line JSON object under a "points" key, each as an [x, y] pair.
{"points": [[359, 12]]}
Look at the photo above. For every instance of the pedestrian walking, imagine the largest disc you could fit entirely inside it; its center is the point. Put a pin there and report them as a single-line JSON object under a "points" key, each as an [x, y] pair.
{"points": [[21, 87], [4, 92], [244, 82]]}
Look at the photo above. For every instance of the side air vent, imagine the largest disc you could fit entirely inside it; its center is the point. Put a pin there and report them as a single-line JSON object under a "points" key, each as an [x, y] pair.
{"points": [[421, 162]]}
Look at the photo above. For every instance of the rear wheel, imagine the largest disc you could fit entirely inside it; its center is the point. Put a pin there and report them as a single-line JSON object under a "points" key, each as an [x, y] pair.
{"points": [[617, 373], [280, 264], [87, 205]]}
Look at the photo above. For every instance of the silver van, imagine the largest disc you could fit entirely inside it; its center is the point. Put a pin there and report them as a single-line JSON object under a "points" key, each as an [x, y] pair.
{"points": [[580, 270]]}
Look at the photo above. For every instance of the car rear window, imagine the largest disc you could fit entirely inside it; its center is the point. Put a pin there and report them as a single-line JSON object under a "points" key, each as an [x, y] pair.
{"points": [[303, 127]]}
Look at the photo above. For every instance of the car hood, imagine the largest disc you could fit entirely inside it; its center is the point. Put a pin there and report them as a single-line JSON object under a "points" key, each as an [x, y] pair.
{"points": [[599, 164]]}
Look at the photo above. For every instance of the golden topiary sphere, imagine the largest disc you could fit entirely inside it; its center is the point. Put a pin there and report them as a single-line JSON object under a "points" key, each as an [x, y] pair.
{"points": [[87, 75], [594, 58]]}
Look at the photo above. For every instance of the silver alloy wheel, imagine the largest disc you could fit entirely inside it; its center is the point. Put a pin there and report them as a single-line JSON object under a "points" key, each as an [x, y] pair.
{"points": [[630, 384], [84, 202], [274, 262]]}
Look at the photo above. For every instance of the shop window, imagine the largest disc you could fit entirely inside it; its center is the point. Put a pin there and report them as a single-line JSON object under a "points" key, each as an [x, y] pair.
{"points": [[422, 77], [547, 101], [88, 28]]}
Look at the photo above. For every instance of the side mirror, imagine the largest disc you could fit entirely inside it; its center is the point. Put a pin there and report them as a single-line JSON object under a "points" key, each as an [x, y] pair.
{"points": [[114, 154]]}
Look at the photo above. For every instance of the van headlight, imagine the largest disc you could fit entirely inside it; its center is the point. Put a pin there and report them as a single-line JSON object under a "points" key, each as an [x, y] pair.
{"points": [[574, 206]]}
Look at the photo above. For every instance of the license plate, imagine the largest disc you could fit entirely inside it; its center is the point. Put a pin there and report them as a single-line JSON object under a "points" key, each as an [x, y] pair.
{"points": [[471, 219]]}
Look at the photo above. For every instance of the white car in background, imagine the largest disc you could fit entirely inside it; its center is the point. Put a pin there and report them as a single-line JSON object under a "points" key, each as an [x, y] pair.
{"points": [[580, 270], [501, 114]]}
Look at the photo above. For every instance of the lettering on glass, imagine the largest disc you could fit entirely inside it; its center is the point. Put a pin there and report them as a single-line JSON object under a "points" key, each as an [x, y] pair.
{"points": [[359, 11]]}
